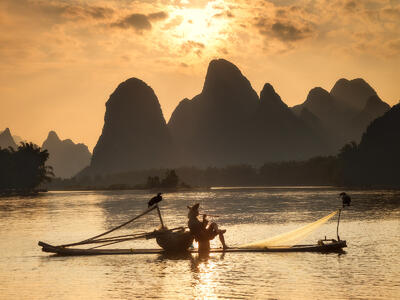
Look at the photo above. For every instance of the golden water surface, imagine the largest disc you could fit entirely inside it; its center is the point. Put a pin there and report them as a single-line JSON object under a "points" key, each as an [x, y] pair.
{"points": [[370, 268]]}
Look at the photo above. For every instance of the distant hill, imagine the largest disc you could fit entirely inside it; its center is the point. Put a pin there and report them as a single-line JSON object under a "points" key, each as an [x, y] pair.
{"points": [[212, 128], [353, 93], [66, 157], [279, 133], [344, 112], [135, 135], [227, 123], [373, 108], [376, 160], [6, 140]]}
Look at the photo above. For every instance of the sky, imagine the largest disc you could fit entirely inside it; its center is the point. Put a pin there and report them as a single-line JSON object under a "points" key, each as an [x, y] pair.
{"points": [[61, 59]]}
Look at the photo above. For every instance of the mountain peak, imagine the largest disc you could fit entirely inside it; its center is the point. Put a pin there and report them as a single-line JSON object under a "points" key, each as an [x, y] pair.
{"points": [[222, 75], [220, 66], [353, 93], [132, 82], [6, 139], [267, 89], [342, 82], [66, 157], [362, 83], [268, 95], [134, 135], [53, 136], [318, 93]]}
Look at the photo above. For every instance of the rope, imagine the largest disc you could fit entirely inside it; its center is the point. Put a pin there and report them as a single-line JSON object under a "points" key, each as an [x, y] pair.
{"points": [[111, 230]]}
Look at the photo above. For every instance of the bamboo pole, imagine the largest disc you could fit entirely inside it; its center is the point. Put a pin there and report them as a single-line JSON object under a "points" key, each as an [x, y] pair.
{"points": [[159, 215], [337, 228], [111, 230]]}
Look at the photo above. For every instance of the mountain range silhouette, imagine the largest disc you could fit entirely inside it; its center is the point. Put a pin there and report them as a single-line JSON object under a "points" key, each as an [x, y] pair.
{"points": [[66, 157], [229, 123]]}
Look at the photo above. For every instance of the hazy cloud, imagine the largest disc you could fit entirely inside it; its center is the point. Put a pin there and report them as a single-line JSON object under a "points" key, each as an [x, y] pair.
{"points": [[193, 47], [58, 11], [394, 46], [351, 6], [283, 30], [140, 22], [85, 11], [226, 13], [157, 16], [289, 32], [174, 22]]}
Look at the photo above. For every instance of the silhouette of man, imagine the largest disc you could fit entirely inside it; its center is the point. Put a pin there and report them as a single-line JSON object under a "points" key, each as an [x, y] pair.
{"points": [[201, 232]]}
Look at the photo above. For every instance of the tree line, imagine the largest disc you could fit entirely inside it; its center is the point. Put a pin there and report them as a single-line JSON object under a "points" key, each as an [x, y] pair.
{"points": [[348, 168], [23, 170]]}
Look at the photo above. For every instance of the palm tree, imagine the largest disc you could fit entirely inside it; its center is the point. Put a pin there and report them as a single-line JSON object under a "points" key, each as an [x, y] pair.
{"points": [[24, 169]]}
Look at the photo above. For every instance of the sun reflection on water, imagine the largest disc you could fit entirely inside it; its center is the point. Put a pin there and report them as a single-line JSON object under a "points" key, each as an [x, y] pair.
{"points": [[206, 273]]}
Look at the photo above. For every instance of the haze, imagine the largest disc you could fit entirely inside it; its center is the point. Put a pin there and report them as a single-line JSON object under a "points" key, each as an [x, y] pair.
{"points": [[60, 60]]}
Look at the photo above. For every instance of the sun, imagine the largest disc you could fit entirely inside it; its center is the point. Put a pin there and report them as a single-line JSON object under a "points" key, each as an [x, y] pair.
{"points": [[201, 25]]}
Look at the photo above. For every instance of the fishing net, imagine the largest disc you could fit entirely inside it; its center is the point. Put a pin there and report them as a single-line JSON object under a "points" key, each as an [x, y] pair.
{"points": [[290, 238]]}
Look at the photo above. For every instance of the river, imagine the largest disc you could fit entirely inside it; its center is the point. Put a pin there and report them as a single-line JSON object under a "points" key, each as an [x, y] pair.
{"points": [[369, 269]]}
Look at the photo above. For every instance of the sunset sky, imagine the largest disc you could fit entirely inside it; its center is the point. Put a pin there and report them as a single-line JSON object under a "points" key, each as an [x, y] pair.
{"points": [[61, 59]]}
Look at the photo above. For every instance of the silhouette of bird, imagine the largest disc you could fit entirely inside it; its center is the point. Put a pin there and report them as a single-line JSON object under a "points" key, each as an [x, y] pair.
{"points": [[346, 199], [155, 200]]}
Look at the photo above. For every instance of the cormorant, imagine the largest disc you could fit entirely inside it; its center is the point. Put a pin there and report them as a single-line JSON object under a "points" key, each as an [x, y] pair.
{"points": [[345, 199], [155, 200]]}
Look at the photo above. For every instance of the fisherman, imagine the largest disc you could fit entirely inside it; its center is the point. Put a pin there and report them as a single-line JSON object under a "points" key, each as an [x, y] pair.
{"points": [[155, 200], [201, 232], [346, 199]]}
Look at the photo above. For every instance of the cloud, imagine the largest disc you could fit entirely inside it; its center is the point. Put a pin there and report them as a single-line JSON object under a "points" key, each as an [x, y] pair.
{"points": [[95, 12], [174, 23], [289, 32], [351, 6], [283, 30], [193, 47], [394, 47], [392, 13], [58, 12], [226, 13], [140, 22], [161, 15]]}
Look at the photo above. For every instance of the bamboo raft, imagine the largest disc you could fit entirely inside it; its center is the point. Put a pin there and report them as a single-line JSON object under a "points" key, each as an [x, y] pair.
{"points": [[334, 246], [175, 240]]}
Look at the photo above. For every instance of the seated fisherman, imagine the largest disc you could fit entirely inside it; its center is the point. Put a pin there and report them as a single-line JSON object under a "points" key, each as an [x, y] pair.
{"points": [[201, 232]]}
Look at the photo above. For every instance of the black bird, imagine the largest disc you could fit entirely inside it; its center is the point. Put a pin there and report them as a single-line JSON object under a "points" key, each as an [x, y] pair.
{"points": [[345, 199], [155, 200]]}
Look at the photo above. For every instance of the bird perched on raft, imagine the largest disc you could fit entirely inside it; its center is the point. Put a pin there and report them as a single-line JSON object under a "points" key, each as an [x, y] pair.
{"points": [[155, 200], [346, 199]]}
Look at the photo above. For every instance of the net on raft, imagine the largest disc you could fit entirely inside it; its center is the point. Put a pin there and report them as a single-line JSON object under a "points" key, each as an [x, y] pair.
{"points": [[290, 238]]}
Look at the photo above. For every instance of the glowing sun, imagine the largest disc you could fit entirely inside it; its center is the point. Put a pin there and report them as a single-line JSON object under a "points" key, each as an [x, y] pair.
{"points": [[203, 25]]}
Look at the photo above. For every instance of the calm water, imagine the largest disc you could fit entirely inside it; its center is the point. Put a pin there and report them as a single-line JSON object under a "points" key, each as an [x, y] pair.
{"points": [[370, 268]]}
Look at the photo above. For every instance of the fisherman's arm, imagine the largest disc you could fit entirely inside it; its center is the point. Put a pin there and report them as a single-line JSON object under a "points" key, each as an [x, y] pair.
{"points": [[205, 221]]}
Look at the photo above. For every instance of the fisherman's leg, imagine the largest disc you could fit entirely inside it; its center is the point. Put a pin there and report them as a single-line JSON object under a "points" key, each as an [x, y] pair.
{"points": [[213, 227], [222, 239], [220, 233]]}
